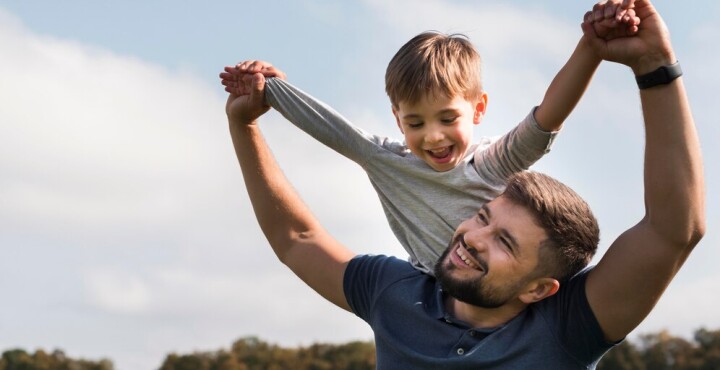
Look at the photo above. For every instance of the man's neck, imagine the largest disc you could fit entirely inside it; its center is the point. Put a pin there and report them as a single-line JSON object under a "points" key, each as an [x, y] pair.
{"points": [[479, 317]]}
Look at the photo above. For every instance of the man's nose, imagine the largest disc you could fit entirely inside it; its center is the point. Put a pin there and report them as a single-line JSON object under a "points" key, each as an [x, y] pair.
{"points": [[477, 239]]}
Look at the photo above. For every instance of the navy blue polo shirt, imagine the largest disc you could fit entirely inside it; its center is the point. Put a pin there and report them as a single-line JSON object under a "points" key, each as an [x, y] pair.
{"points": [[412, 330]]}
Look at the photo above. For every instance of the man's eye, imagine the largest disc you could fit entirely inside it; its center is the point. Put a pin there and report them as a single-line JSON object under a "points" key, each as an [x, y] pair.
{"points": [[482, 218], [506, 243]]}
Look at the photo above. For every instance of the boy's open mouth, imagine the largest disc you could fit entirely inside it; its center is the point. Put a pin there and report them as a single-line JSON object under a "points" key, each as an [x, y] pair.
{"points": [[441, 153]]}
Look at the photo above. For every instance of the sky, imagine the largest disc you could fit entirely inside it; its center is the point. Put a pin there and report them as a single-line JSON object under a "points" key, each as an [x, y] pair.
{"points": [[125, 229]]}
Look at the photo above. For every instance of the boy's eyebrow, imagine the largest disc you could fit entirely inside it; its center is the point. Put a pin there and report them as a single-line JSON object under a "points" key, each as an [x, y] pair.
{"points": [[444, 111], [503, 231]]}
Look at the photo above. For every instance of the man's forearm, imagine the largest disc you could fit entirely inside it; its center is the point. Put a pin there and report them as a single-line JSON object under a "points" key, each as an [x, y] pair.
{"points": [[567, 87], [674, 189], [279, 210], [295, 235]]}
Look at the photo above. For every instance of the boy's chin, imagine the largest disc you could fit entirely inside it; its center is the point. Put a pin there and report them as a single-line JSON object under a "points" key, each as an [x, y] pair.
{"points": [[442, 167]]}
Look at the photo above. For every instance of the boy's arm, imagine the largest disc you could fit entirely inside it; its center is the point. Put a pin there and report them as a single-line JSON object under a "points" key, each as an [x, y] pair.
{"points": [[637, 268], [525, 144], [309, 114], [570, 83], [293, 232], [567, 87]]}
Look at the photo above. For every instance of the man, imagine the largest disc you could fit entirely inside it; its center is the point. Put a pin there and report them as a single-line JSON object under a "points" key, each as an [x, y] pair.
{"points": [[501, 299]]}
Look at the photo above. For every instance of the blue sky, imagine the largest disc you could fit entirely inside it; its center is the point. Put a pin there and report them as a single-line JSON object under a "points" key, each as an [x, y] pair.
{"points": [[124, 224]]}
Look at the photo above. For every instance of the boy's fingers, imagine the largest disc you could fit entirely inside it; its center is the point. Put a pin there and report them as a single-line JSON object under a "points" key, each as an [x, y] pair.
{"points": [[598, 11], [228, 75], [628, 4], [258, 66], [257, 88], [609, 10]]}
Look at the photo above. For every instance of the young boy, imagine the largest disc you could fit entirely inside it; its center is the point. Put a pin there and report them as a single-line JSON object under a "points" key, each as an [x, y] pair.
{"points": [[436, 176]]}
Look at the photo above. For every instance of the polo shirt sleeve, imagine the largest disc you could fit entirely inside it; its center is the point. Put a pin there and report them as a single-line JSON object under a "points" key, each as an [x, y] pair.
{"points": [[574, 322], [367, 276]]}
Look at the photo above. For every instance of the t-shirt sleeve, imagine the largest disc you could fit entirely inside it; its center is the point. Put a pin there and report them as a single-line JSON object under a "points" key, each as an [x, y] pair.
{"points": [[323, 123], [515, 151], [367, 276], [575, 324]]}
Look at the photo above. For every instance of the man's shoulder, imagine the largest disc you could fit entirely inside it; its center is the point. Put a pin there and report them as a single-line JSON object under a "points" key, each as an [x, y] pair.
{"points": [[387, 267]]}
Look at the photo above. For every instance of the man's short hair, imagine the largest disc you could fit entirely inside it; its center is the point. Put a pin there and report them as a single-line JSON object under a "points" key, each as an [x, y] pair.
{"points": [[572, 229], [434, 63]]}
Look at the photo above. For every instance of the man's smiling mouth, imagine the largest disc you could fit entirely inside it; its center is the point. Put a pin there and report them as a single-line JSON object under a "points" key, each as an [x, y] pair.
{"points": [[462, 251]]}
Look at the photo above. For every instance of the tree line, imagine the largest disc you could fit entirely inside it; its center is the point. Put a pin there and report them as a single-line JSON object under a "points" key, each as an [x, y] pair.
{"points": [[18, 359], [657, 351]]}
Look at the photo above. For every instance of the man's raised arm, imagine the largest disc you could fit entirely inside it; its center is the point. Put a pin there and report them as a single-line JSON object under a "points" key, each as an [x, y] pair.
{"points": [[294, 233], [639, 265]]}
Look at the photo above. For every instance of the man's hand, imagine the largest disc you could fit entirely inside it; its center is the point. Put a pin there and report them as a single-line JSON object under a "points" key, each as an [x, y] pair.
{"points": [[613, 19], [246, 84], [649, 49]]}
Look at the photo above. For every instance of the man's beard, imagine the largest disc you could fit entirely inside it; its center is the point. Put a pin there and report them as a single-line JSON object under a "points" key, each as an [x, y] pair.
{"points": [[473, 291]]}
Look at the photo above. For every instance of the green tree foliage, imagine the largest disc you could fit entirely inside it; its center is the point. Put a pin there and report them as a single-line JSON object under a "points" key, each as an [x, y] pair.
{"points": [[658, 351], [18, 359], [252, 353], [624, 356], [662, 351]]}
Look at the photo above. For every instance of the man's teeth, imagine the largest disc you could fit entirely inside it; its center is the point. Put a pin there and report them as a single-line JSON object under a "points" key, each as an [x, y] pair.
{"points": [[466, 259]]}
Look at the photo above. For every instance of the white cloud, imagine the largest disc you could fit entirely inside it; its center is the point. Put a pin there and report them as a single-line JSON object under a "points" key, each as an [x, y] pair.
{"points": [[117, 291], [120, 185]]}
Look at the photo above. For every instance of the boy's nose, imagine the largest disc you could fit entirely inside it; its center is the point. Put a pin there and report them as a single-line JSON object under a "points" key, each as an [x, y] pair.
{"points": [[434, 136]]}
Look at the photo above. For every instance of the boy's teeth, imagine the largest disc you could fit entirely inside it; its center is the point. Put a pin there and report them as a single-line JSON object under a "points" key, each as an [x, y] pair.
{"points": [[441, 152]]}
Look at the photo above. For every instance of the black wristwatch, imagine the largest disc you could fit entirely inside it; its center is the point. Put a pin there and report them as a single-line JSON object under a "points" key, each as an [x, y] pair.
{"points": [[661, 76]]}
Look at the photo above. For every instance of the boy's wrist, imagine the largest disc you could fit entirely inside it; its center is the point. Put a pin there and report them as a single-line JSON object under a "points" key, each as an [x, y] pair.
{"points": [[586, 49]]}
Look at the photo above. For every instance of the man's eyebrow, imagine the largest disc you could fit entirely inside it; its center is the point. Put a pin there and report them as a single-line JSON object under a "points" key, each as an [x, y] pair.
{"points": [[506, 234]]}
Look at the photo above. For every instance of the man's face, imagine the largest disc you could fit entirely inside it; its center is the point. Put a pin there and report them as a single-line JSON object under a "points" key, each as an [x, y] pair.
{"points": [[438, 129], [492, 256]]}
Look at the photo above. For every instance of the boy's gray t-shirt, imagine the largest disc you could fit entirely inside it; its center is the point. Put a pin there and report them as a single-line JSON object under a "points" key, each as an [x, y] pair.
{"points": [[423, 207]]}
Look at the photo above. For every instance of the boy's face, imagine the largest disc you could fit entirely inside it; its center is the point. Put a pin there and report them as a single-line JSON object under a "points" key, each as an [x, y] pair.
{"points": [[438, 129]]}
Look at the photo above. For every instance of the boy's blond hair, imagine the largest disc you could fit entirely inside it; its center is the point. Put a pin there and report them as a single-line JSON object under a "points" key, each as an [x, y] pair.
{"points": [[434, 63]]}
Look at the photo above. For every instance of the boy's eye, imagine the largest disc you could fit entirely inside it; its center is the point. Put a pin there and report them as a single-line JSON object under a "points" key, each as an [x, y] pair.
{"points": [[482, 218], [415, 124], [449, 120]]}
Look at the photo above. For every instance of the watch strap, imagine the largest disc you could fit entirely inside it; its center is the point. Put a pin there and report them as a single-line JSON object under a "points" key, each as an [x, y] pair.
{"points": [[661, 76]]}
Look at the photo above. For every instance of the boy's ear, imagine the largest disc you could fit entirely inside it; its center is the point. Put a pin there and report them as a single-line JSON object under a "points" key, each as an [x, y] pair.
{"points": [[397, 119], [480, 107], [539, 289]]}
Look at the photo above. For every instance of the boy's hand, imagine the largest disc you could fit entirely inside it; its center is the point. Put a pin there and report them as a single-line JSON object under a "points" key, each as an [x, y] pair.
{"points": [[237, 79], [613, 19], [246, 84]]}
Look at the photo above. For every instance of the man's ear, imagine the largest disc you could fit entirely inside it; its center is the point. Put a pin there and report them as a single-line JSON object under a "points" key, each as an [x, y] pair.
{"points": [[480, 108], [539, 289], [397, 119]]}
